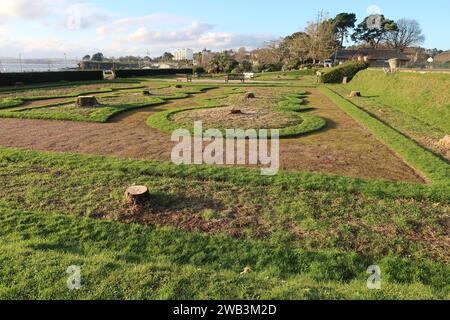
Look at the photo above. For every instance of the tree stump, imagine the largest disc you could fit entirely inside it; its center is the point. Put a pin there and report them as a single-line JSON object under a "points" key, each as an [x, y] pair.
{"points": [[178, 86], [137, 195], [344, 80], [250, 95], [146, 93], [445, 142], [87, 101], [236, 111], [355, 94]]}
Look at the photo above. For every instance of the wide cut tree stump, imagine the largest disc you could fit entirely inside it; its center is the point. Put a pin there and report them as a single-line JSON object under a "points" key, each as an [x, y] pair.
{"points": [[355, 94], [137, 195], [87, 101], [146, 93], [250, 95], [178, 86], [236, 111]]}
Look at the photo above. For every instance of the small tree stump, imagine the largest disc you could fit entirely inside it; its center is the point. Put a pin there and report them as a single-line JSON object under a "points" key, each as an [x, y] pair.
{"points": [[178, 86], [445, 142], [146, 93], [246, 271], [236, 111], [250, 95], [137, 195], [87, 101], [355, 94]]}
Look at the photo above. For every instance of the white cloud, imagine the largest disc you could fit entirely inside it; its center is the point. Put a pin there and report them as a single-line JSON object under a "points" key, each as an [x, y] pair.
{"points": [[165, 18], [54, 13], [26, 9], [149, 36], [112, 33]]}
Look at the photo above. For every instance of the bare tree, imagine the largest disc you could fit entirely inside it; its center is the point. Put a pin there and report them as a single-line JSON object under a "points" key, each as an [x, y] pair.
{"points": [[408, 33], [321, 37]]}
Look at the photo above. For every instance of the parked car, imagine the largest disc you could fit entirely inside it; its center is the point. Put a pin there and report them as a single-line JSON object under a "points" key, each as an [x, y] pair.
{"points": [[328, 63]]}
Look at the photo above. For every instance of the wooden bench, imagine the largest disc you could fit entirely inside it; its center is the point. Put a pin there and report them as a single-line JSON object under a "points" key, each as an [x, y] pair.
{"points": [[184, 77], [240, 77]]}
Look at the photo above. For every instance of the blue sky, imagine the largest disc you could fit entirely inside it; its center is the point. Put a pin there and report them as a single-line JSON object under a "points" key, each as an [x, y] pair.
{"points": [[49, 28]]}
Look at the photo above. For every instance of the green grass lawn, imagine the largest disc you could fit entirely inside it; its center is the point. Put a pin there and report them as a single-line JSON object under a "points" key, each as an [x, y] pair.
{"points": [[303, 237]]}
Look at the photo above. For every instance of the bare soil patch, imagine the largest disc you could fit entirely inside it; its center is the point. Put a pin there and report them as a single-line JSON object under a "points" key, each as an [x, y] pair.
{"points": [[252, 113]]}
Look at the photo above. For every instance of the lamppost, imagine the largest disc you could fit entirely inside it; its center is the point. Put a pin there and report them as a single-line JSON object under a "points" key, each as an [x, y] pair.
{"points": [[20, 62]]}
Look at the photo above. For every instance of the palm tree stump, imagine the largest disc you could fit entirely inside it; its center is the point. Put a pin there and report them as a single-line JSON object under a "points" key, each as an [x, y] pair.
{"points": [[87, 101], [355, 94], [137, 195]]}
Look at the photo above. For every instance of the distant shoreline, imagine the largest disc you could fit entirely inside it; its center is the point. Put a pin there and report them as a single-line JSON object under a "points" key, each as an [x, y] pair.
{"points": [[35, 67]]}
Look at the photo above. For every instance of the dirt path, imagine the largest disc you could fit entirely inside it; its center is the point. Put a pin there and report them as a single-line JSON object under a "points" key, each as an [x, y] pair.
{"points": [[344, 148]]}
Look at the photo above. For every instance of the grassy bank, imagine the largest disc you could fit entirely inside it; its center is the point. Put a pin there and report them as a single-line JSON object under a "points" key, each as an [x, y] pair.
{"points": [[422, 96], [434, 168]]}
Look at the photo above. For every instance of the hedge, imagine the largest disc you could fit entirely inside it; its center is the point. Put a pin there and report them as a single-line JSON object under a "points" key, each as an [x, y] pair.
{"points": [[337, 74], [128, 73], [10, 79]]}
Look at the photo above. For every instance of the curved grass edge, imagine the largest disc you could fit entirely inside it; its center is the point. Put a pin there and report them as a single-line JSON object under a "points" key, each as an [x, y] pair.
{"points": [[10, 103], [103, 114], [237, 175], [290, 105], [434, 168]]}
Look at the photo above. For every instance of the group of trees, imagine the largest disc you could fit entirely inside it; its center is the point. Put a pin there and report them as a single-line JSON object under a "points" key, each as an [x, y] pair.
{"points": [[228, 62], [99, 57], [320, 39], [323, 36]]}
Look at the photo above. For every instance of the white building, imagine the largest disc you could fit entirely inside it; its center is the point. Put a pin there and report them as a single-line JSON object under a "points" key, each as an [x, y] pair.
{"points": [[183, 55]]}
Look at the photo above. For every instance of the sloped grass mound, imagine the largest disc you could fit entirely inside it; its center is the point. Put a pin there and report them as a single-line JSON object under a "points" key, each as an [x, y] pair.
{"points": [[290, 105], [422, 96], [337, 74], [434, 168]]}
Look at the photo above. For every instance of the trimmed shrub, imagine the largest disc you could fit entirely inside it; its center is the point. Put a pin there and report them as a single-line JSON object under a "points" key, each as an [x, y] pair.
{"points": [[128, 73], [337, 74], [10, 79], [199, 70]]}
